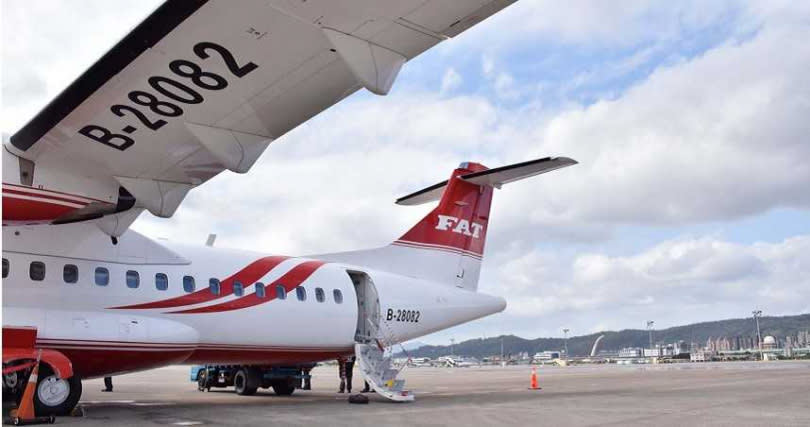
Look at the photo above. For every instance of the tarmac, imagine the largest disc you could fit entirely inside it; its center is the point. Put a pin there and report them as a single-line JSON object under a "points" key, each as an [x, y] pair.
{"points": [[706, 394]]}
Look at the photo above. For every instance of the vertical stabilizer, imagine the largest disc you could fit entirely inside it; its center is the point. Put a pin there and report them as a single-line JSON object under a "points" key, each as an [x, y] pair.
{"points": [[456, 227], [447, 245]]}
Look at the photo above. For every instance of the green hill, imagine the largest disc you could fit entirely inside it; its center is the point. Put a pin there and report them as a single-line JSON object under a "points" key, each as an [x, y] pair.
{"points": [[778, 326]]}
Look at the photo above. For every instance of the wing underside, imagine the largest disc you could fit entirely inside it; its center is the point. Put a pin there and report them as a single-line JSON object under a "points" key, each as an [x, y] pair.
{"points": [[204, 86]]}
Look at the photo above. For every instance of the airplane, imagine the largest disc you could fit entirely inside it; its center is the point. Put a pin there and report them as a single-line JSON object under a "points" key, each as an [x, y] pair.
{"points": [[454, 362], [200, 87], [420, 362]]}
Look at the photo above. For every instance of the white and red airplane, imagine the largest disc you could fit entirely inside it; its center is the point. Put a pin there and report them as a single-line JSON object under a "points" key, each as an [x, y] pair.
{"points": [[200, 87]]}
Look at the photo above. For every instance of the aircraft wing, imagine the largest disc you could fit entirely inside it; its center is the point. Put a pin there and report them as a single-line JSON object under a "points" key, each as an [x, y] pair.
{"points": [[206, 85]]}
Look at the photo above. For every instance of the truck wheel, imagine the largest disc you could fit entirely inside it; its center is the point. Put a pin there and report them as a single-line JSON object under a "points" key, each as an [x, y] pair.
{"points": [[56, 396], [284, 387], [244, 385]]}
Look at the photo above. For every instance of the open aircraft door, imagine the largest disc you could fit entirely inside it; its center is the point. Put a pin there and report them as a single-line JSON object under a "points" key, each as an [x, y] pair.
{"points": [[369, 347]]}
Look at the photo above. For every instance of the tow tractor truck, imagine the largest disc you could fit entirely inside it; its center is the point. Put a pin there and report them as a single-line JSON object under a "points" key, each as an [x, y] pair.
{"points": [[247, 379]]}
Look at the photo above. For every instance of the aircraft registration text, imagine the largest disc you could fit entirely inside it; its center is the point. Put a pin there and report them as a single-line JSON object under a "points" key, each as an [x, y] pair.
{"points": [[173, 90]]}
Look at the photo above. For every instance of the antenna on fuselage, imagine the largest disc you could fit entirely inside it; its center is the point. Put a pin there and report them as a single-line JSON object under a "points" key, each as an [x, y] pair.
{"points": [[210, 241]]}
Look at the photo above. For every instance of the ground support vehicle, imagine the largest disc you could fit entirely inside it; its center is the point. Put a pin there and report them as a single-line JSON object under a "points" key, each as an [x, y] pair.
{"points": [[247, 379]]}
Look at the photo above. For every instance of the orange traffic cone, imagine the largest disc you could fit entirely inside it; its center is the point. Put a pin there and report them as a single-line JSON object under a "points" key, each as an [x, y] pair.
{"points": [[533, 385], [25, 412]]}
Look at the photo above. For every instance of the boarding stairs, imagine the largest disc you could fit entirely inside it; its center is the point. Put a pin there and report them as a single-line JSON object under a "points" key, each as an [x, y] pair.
{"points": [[378, 368], [380, 372]]}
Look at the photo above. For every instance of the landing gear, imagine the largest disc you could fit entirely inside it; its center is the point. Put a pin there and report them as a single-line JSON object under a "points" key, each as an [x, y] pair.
{"points": [[56, 396], [283, 387], [245, 381]]}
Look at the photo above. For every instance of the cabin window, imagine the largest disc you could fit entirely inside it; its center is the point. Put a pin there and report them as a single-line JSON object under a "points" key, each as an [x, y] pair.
{"points": [[5, 268], [36, 271], [238, 288], [213, 284], [188, 284], [133, 279], [161, 282], [259, 289], [301, 293], [102, 276], [338, 296], [319, 295], [70, 273], [281, 293]]}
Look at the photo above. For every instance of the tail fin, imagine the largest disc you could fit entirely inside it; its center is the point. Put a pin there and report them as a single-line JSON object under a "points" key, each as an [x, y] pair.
{"points": [[447, 245], [459, 223]]}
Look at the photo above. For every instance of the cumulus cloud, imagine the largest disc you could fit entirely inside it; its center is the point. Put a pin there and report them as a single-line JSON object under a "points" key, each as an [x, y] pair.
{"points": [[47, 45], [625, 23], [712, 139], [687, 275], [717, 137]]}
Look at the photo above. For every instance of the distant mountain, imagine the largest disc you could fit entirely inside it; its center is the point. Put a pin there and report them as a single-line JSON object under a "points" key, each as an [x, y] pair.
{"points": [[777, 326], [412, 345]]}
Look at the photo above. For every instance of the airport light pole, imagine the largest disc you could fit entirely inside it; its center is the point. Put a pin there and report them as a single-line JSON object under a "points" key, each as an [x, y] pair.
{"points": [[650, 324], [757, 314], [452, 347], [565, 331]]}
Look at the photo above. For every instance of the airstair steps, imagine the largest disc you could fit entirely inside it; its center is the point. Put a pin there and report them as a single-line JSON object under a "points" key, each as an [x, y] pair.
{"points": [[380, 373]]}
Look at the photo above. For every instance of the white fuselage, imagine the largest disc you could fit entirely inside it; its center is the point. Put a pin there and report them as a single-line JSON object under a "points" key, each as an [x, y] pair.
{"points": [[97, 327]]}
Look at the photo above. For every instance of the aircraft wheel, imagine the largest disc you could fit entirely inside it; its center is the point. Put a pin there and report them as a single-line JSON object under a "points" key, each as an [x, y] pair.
{"points": [[284, 387], [243, 383], [56, 396]]}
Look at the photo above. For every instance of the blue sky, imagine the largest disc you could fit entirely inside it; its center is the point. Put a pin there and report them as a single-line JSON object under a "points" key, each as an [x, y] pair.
{"points": [[690, 201]]}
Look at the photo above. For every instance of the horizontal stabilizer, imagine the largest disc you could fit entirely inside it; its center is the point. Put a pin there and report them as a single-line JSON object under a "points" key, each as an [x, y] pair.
{"points": [[492, 177], [506, 174], [427, 194]]}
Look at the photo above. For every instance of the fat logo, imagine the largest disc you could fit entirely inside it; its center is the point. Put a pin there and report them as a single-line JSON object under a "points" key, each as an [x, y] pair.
{"points": [[460, 226]]}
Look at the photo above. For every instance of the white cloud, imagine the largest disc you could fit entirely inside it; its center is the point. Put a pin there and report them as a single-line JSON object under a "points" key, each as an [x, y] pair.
{"points": [[451, 81], [677, 281], [715, 138], [598, 25], [505, 87], [47, 45], [503, 84], [487, 65]]}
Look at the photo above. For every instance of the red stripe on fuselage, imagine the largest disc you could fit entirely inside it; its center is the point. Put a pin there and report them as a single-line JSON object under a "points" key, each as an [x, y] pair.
{"points": [[247, 276], [290, 280]]}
